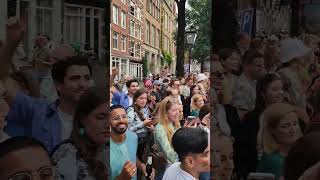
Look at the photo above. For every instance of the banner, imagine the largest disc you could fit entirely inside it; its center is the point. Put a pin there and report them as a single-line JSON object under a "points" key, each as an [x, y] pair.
{"points": [[246, 20]]}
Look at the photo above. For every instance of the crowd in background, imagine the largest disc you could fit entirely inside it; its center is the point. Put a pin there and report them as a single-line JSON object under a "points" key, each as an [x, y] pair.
{"points": [[54, 122], [265, 100], [154, 109]]}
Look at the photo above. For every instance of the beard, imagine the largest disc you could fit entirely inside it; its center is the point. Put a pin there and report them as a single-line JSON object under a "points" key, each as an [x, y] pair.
{"points": [[117, 130]]}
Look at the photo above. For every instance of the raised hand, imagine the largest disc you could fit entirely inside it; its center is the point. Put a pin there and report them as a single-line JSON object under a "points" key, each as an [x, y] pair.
{"points": [[15, 30]]}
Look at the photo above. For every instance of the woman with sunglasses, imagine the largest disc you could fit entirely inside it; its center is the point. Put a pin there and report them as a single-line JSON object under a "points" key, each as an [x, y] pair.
{"points": [[83, 156]]}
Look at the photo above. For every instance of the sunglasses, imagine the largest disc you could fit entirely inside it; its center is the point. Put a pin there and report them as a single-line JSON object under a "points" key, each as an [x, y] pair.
{"points": [[44, 173], [118, 117]]}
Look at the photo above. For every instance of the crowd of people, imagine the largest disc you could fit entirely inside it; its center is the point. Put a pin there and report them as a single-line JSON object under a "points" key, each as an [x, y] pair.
{"points": [[162, 117], [264, 99], [259, 106], [54, 122]]}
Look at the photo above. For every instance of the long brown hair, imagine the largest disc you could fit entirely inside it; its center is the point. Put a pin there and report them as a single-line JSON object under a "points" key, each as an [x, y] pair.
{"points": [[87, 149], [163, 118], [136, 108]]}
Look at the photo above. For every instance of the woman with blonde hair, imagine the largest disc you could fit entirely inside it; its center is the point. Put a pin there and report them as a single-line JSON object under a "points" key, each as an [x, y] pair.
{"points": [[281, 130], [197, 102], [168, 113]]}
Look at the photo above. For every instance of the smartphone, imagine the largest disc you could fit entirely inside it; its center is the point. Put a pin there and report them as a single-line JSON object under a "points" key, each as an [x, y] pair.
{"points": [[261, 176], [191, 118]]}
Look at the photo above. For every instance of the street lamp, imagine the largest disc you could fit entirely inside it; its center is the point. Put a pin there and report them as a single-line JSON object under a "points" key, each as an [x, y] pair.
{"points": [[191, 36]]}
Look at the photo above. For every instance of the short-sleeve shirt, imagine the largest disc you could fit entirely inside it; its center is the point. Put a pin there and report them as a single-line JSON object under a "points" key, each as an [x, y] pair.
{"points": [[123, 152]]}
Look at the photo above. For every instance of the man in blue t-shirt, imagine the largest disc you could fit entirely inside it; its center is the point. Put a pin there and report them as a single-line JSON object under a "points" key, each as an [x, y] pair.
{"points": [[123, 147]]}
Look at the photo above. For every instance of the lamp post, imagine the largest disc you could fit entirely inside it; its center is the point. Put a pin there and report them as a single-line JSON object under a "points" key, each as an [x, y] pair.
{"points": [[191, 36]]}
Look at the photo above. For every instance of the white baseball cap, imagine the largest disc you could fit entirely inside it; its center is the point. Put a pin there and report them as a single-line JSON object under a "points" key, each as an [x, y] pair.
{"points": [[292, 48]]}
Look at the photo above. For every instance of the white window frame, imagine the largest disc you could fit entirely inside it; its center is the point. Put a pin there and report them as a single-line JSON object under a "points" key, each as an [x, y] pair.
{"points": [[158, 38], [138, 50], [134, 9], [132, 28], [132, 48], [95, 14], [123, 20], [153, 34], [136, 70], [115, 14], [138, 13], [147, 35], [123, 43], [115, 37], [44, 23]]}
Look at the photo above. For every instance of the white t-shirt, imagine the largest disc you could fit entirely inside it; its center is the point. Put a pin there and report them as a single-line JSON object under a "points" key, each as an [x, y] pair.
{"points": [[174, 172], [67, 124], [130, 100]]}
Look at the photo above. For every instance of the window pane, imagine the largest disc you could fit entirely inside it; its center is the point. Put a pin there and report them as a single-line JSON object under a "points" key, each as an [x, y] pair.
{"points": [[44, 3]]}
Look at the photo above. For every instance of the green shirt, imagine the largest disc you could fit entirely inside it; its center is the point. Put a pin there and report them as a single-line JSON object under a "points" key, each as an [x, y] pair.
{"points": [[271, 163], [194, 113], [164, 144]]}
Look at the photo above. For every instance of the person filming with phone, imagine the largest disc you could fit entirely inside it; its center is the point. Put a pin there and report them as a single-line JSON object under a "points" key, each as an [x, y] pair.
{"points": [[139, 121]]}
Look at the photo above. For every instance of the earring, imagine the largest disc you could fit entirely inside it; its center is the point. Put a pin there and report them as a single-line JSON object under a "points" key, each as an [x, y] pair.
{"points": [[81, 131]]}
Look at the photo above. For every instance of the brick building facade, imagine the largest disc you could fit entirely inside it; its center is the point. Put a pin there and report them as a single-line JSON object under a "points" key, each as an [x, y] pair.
{"points": [[152, 34]]}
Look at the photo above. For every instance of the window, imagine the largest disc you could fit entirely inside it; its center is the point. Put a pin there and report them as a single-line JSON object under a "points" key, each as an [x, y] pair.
{"points": [[139, 34], [115, 40], [115, 13], [132, 8], [44, 21], [136, 70], [138, 50], [153, 35], [147, 32], [123, 20], [131, 28], [148, 5], [158, 38], [123, 41], [165, 20], [44, 3], [132, 48], [168, 21], [152, 9], [138, 13]]}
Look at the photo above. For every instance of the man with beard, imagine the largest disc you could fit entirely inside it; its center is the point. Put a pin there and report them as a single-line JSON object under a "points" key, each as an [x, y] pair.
{"points": [[49, 123], [123, 147]]}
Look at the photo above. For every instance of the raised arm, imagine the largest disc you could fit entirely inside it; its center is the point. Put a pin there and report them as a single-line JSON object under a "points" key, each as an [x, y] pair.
{"points": [[15, 31]]}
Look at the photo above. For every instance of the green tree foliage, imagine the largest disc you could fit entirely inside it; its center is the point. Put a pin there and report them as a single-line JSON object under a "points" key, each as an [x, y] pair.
{"points": [[167, 57], [145, 66], [198, 15]]}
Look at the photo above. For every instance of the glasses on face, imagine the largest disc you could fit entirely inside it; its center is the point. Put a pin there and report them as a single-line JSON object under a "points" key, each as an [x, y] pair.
{"points": [[118, 117], [45, 173]]}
